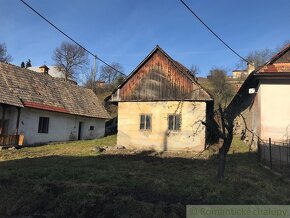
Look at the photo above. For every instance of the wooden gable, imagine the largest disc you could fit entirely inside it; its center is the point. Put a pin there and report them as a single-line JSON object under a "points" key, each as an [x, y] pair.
{"points": [[159, 77]]}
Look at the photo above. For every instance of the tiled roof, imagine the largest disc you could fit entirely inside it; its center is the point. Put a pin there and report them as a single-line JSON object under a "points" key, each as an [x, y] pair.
{"points": [[6, 95], [44, 92]]}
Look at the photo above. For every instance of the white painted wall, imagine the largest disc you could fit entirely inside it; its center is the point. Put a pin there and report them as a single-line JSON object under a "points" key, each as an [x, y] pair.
{"points": [[62, 127], [275, 111]]}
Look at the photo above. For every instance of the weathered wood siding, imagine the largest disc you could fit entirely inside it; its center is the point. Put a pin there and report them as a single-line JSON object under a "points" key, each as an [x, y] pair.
{"points": [[157, 79]]}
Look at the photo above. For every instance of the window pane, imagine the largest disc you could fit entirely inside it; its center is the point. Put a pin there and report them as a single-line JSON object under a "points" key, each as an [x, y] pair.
{"points": [[39, 124], [174, 122], [170, 122], [46, 124], [177, 122], [148, 122], [142, 122]]}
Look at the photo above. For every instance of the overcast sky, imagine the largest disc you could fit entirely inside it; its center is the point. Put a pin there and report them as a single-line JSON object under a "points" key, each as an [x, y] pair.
{"points": [[125, 31]]}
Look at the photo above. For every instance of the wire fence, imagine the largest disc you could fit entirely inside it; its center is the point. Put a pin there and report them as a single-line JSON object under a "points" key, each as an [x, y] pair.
{"points": [[276, 155]]}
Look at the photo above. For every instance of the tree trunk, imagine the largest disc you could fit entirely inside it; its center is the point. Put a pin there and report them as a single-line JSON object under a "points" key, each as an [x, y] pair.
{"points": [[223, 151], [222, 163]]}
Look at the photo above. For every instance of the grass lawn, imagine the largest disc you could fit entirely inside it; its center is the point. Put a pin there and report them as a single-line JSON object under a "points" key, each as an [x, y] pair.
{"points": [[72, 180]]}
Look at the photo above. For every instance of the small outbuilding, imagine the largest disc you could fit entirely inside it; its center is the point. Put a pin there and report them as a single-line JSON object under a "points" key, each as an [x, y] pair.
{"points": [[161, 106]]}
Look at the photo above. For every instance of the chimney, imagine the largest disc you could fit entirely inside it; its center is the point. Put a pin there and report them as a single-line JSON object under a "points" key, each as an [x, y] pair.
{"points": [[44, 69], [251, 67]]}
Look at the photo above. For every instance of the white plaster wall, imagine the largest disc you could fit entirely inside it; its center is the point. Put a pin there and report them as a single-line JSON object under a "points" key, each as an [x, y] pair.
{"points": [[62, 127], [190, 137], [275, 111]]}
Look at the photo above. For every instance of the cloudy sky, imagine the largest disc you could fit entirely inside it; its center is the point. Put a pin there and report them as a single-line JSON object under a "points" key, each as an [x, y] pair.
{"points": [[125, 31]]}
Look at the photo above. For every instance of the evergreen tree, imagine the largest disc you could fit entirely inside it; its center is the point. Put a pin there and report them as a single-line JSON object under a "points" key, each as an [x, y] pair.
{"points": [[28, 63]]}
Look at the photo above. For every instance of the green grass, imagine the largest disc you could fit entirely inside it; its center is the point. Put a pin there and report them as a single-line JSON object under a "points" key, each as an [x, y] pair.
{"points": [[72, 180], [75, 148]]}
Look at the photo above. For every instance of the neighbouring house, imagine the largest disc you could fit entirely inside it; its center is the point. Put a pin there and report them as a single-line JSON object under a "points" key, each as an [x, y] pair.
{"points": [[239, 76], [161, 106], [265, 101], [46, 109], [52, 71], [243, 74], [100, 84]]}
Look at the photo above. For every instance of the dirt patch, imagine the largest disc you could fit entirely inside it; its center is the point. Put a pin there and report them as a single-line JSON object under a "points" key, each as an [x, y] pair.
{"points": [[115, 150]]}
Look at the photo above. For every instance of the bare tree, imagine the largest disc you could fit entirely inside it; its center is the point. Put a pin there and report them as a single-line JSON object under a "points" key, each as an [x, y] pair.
{"points": [[222, 125], [220, 88], [194, 70], [90, 80], [70, 59], [4, 56], [258, 58], [109, 75], [285, 43]]}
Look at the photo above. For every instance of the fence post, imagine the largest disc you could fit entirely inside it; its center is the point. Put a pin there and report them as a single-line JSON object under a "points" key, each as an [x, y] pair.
{"points": [[280, 156], [270, 152], [259, 151], [287, 152], [264, 151]]}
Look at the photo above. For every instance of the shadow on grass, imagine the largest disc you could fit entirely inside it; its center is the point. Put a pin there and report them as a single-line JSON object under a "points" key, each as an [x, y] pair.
{"points": [[138, 185]]}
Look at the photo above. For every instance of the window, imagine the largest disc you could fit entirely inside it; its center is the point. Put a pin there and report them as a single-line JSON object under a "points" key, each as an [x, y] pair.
{"points": [[145, 122], [174, 122], [92, 128], [43, 125]]}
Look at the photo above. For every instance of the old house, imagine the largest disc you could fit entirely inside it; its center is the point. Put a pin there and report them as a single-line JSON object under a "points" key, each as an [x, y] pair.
{"points": [[46, 109], [161, 105], [265, 93], [264, 103]]}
